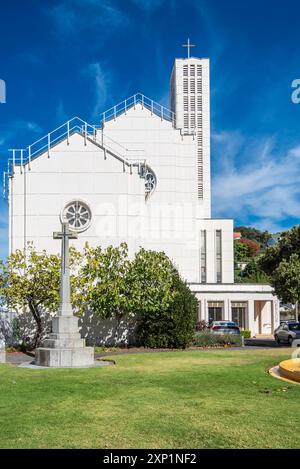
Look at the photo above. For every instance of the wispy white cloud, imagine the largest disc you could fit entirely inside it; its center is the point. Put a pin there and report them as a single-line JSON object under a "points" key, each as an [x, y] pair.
{"points": [[164, 99], [5, 136], [16, 128], [74, 16], [33, 126], [254, 183], [61, 115], [101, 80]]}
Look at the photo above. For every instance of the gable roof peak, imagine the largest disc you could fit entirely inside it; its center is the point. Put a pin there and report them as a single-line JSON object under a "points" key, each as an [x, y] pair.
{"points": [[131, 102]]}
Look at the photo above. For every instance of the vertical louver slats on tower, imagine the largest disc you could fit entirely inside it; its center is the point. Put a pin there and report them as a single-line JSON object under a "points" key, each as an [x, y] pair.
{"points": [[192, 113]]}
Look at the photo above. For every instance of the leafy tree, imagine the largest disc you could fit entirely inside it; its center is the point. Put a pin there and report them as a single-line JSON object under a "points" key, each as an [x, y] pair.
{"points": [[147, 288], [174, 326], [281, 264], [288, 244], [151, 281], [237, 276], [108, 283], [182, 315], [103, 282], [241, 252], [253, 273], [31, 283], [286, 279], [111, 285], [248, 232], [252, 246]]}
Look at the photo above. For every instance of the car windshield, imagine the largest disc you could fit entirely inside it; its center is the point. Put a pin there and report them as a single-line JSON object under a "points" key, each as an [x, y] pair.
{"points": [[294, 327]]}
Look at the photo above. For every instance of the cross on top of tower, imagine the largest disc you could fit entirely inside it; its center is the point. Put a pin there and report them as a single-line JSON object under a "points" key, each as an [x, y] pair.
{"points": [[188, 46]]}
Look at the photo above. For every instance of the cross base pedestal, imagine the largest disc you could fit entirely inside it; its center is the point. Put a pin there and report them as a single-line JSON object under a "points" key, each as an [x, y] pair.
{"points": [[64, 347], [65, 357]]}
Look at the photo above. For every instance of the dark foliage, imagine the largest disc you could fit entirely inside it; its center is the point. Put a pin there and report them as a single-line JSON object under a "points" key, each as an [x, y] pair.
{"points": [[261, 237], [175, 326]]}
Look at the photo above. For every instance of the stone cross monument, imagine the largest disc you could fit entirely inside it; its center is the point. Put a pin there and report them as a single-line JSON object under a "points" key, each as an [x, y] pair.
{"points": [[65, 308], [64, 347]]}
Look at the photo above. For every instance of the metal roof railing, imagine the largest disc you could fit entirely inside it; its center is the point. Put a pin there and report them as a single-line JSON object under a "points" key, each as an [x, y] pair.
{"points": [[152, 106], [23, 156]]}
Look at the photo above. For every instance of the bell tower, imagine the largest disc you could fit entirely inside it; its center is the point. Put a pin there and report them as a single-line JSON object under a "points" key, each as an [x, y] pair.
{"points": [[190, 101]]}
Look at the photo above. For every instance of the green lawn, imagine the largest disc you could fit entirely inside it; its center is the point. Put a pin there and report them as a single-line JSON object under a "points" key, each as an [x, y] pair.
{"points": [[212, 399]]}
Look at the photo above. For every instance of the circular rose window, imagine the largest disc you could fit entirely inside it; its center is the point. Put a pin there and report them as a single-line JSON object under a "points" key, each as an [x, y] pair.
{"points": [[150, 179], [78, 215]]}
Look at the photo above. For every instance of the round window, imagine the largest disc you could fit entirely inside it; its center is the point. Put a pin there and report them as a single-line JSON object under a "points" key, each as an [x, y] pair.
{"points": [[78, 215], [150, 180]]}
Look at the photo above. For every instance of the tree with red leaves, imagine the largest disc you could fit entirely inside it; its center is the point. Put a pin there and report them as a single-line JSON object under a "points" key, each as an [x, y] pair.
{"points": [[253, 246]]}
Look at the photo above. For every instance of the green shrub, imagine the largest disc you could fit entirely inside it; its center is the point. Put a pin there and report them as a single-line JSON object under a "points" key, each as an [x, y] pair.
{"points": [[230, 339], [202, 325], [12, 349], [209, 339], [205, 339], [246, 334], [173, 327], [106, 348]]}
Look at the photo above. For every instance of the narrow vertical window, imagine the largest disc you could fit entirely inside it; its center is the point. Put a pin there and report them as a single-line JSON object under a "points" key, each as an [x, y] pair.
{"points": [[219, 256], [199, 310], [203, 256]]}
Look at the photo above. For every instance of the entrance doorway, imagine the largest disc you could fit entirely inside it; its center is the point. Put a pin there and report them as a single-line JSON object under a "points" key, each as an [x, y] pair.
{"points": [[263, 316]]}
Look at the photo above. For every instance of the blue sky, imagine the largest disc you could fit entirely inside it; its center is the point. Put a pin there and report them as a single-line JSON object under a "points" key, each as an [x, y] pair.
{"points": [[63, 58]]}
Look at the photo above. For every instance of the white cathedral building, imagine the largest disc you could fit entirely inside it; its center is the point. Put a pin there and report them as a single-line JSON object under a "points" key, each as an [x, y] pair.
{"points": [[140, 175]]}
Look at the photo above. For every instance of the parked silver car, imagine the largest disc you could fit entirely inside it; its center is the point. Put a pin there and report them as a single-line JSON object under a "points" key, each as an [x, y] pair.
{"points": [[225, 327], [287, 332]]}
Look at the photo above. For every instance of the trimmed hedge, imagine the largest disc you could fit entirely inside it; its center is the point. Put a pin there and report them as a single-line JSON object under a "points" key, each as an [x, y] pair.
{"points": [[209, 339], [246, 334]]}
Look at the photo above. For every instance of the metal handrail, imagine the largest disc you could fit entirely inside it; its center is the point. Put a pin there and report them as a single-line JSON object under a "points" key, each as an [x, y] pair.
{"points": [[153, 106], [24, 156]]}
